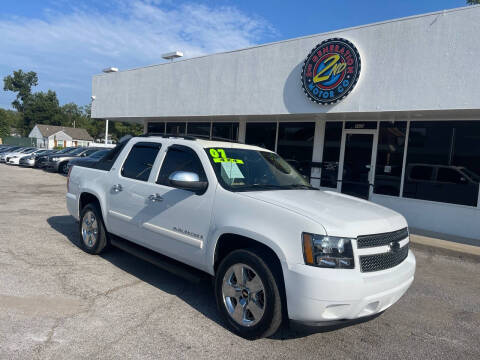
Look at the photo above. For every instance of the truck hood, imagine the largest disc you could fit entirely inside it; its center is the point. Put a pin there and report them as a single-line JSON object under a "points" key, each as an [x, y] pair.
{"points": [[339, 214]]}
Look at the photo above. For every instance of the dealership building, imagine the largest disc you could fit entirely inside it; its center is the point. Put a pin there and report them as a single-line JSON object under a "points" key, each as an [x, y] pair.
{"points": [[389, 112]]}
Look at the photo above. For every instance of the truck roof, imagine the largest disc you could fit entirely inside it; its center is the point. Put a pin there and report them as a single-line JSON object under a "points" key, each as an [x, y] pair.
{"points": [[204, 142]]}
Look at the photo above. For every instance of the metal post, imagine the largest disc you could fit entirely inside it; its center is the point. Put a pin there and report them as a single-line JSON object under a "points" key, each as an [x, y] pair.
{"points": [[404, 161], [106, 132]]}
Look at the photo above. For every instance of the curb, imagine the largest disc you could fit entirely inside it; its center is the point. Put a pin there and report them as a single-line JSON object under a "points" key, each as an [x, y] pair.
{"points": [[444, 247]]}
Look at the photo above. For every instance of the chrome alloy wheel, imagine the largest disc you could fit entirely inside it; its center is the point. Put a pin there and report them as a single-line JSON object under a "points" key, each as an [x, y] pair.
{"points": [[89, 229], [243, 294]]}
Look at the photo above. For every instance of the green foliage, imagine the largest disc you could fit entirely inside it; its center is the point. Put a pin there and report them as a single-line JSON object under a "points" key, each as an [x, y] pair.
{"points": [[4, 128], [41, 108], [44, 108], [21, 83], [12, 118], [473, 2]]}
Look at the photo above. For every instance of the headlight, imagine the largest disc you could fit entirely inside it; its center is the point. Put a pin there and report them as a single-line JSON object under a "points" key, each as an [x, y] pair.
{"points": [[327, 251], [55, 159]]}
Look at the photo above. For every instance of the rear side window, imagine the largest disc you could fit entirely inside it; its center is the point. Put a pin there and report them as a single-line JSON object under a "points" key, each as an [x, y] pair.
{"points": [[421, 173], [140, 161], [180, 158]]}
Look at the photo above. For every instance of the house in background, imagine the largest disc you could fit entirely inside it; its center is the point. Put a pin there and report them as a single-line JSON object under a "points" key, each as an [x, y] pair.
{"points": [[51, 136]]}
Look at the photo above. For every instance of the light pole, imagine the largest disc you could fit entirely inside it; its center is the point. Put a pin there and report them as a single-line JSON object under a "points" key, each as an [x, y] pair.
{"points": [[106, 132], [172, 55]]}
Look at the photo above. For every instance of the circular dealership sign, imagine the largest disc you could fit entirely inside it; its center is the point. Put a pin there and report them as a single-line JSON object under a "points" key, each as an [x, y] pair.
{"points": [[330, 71]]}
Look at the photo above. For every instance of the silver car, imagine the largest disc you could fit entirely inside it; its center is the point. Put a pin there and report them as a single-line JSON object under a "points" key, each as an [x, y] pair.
{"points": [[59, 162]]}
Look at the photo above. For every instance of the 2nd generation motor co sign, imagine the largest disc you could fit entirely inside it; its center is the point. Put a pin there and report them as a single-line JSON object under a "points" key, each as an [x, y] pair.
{"points": [[331, 71]]}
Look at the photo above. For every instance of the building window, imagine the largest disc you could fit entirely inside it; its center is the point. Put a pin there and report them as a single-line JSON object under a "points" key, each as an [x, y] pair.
{"points": [[140, 161], [156, 128], [331, 154], [176, 128], [228, 131], [261, 134], [390, 150], [199, 129], [443, 162], [295, 144]]}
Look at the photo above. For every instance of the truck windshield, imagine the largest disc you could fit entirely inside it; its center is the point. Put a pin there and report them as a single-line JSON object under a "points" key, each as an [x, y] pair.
{"points": [[253, 170]]}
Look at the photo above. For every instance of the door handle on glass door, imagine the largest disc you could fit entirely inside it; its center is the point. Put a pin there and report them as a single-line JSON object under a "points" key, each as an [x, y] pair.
{"points": [[117, 188], [155, 198]]}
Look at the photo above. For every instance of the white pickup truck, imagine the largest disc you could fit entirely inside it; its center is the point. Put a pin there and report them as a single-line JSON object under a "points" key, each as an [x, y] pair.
{"points": [[276, 247]]}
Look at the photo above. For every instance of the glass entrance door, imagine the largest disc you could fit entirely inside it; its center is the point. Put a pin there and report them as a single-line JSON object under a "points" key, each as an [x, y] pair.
{"points": [[357, 166]]}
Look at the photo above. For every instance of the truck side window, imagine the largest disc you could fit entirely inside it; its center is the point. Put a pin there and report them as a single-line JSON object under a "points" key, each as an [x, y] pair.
{"points": [[180, 158], [422, 173], [140, 160], [452, 176]]}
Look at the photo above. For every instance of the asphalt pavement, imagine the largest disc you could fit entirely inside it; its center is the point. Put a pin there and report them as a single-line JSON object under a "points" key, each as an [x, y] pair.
{"points": [[57, 302]]}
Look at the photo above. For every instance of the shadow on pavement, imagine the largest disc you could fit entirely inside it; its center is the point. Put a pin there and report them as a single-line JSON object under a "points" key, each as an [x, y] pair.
{"points": [[200, 295]]}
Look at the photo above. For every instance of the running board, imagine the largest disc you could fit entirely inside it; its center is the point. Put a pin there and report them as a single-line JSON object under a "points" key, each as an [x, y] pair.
{"points": [[163, 262]]}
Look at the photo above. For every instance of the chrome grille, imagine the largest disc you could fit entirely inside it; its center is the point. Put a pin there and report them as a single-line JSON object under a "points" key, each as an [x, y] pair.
{"points": [[383, 261], [366, 241]]}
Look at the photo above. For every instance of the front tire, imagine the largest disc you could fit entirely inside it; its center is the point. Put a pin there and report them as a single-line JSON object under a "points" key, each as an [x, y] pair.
{"points": [[62, 168], [248, 295], [93, 236]]}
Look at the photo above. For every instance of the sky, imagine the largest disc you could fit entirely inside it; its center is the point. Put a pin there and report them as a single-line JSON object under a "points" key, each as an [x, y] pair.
{"points": [[67, 42]]}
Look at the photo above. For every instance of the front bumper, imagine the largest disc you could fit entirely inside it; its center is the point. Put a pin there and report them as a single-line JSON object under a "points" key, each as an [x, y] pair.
{"points": [[52, 165], [316, 295], [27, 162], [13, 161]]}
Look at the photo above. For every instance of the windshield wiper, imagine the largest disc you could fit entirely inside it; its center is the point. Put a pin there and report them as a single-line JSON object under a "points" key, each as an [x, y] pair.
{"points": [[301, 186], [274, 187]]}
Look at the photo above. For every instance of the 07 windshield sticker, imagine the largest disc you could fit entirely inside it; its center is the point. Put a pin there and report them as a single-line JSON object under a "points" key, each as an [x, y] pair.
{"points": [[219, 156]]}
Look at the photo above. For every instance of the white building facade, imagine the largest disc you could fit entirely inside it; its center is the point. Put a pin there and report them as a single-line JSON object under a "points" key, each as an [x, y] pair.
{"points": [[401, 126], [51, 137]]}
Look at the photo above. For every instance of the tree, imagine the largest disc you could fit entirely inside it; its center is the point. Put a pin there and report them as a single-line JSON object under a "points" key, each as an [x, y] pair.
{"points": [[71, 115], [21, 83], [473, 2], [44, 108], [41, 108], [4, 127], [9, 119]]}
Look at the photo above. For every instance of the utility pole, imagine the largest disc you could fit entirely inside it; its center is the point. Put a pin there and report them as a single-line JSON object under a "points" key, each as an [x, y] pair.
{"points": [[106, 132]]}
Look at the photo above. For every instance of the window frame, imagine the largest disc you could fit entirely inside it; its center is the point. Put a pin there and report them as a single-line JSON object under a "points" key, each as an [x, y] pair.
{"points": [[129, 150], [164, 154]]}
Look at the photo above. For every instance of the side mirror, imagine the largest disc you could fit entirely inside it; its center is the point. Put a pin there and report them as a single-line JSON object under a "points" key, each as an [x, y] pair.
{"points": [[187, 181]]}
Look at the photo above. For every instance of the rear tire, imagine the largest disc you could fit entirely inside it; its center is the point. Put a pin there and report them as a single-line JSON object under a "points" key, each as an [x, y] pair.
{"points": [[250, 306], [93, 236], [62, 168]]}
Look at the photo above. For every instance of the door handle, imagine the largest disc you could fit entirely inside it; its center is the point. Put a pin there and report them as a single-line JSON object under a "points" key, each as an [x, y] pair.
{"points": [[117, 188], [155, 198]]}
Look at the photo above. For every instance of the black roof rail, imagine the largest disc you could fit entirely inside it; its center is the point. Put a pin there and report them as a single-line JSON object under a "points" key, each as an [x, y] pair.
{"points": [[188, 137]]}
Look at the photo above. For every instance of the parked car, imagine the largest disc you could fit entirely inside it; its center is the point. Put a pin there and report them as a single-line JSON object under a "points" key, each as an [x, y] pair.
{"points": [[14, 159], [447, 183], [59, 162], [6, 148], [90, 159], [30, 160], [275, 246], [7, 154], [41, 161]]}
